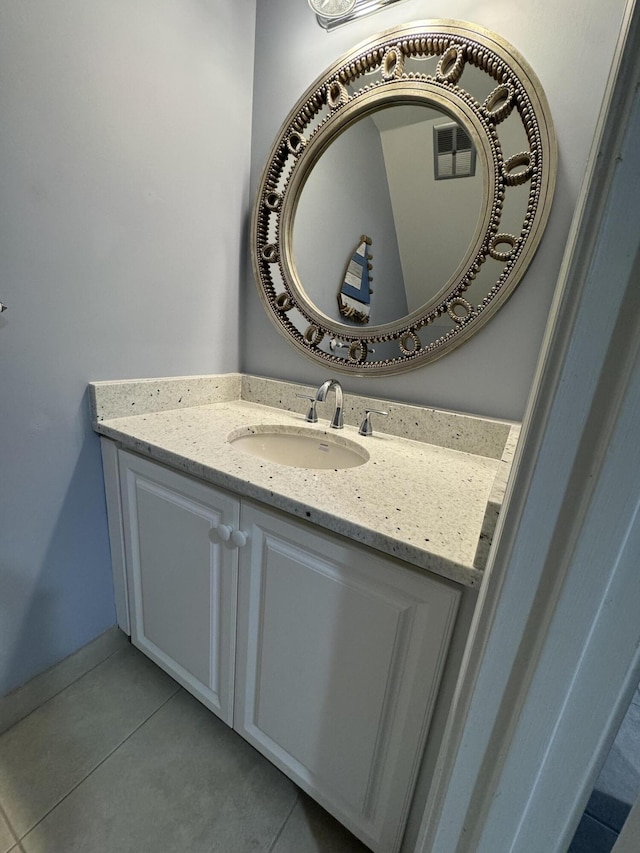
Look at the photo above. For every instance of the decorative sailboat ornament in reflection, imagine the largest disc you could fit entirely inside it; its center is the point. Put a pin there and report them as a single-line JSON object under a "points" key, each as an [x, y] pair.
{"points": [[354, 299]]}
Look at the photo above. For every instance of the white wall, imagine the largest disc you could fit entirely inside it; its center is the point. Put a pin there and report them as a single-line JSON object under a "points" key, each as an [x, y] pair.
{"points": [[124, 159], [570, 46]]}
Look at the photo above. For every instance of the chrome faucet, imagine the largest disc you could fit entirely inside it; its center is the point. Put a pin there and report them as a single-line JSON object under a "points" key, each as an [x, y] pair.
{"points": [[321, 396]]}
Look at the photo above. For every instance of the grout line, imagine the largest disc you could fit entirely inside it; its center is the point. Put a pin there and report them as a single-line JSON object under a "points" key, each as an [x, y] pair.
{"points": [[601, 822], [14, 835], [284, 823], [101, 762], [62, 689]]}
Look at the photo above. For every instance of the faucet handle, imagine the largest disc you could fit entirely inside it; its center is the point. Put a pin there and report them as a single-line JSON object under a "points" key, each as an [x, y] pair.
{"points": [[365, 426], [312, 416]]}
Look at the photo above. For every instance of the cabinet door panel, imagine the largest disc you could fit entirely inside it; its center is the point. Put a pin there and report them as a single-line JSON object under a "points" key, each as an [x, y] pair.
{"points": [[183, 580], [334, 682], [340, 654], [179, 578]]}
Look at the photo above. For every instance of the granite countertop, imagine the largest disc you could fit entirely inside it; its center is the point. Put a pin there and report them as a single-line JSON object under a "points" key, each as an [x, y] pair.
{"points": [[432, 505]]}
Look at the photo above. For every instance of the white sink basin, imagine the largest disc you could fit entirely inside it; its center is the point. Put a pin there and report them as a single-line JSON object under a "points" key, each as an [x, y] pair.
{"points": [[298, 447]]}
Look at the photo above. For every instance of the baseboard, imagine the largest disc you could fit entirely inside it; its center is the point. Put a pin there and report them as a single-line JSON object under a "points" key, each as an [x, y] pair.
{"points": [[22, 701]]}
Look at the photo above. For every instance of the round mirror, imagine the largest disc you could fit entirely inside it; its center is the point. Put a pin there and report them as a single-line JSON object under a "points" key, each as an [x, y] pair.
{"points": [[404, 197]]}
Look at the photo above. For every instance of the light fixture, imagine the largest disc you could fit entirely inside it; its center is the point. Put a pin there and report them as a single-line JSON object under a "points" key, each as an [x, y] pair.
{"points": [[334, 13], [332, 8]]}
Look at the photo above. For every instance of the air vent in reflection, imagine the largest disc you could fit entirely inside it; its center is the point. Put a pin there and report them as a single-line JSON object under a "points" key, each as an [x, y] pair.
{"points": [[453, 152]]}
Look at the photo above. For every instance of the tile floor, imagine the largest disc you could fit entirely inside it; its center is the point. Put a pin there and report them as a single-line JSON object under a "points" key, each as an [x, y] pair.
{"points": [[106, 753]]}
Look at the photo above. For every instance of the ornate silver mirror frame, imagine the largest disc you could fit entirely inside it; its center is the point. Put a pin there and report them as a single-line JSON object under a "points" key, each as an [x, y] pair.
{"points": [[382, 72]]}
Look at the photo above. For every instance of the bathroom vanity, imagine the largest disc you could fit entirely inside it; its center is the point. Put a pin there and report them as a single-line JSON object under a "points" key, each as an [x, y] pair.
{"points": [[321, 613]]}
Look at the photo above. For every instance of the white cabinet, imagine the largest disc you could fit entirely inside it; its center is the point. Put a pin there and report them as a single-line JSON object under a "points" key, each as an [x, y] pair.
{"points": [[325, 655], [181, 579], [340, 652]]}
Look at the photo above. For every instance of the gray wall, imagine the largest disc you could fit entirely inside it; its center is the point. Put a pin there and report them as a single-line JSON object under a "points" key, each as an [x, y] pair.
{"points": [[331, 219], [124, 159], [124, 166], [570, 46], [431, 244]]}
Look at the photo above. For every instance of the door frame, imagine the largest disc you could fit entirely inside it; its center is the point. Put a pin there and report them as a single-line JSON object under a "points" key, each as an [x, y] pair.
{"points": [[556, 627]]}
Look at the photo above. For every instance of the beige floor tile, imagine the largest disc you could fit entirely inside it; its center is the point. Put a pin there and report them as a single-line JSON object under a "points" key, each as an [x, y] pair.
{"points": [[183, 782], [53, 749], [7, 841], [21, 702], [311, 830]]}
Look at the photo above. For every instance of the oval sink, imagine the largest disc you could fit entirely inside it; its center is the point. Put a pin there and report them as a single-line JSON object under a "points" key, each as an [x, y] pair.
{"points": [[298, 447]]}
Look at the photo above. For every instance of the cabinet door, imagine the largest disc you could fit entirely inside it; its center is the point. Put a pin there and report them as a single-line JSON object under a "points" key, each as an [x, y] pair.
{"points": [[182, 579], [340, 652]]}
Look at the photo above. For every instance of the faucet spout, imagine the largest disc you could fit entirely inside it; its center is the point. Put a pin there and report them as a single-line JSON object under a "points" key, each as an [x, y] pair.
{"points": [[321, 396]]}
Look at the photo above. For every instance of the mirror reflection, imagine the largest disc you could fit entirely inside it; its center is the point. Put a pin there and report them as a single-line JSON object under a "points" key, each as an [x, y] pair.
{"points": [[378, 178]]}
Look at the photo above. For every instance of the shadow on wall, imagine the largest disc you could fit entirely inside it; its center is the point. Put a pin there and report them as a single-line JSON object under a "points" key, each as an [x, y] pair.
{"points": [[49, 613]]}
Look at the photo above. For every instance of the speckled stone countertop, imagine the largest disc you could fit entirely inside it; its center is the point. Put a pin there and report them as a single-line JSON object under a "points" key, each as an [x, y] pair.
{"points": [[429, 494]]}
